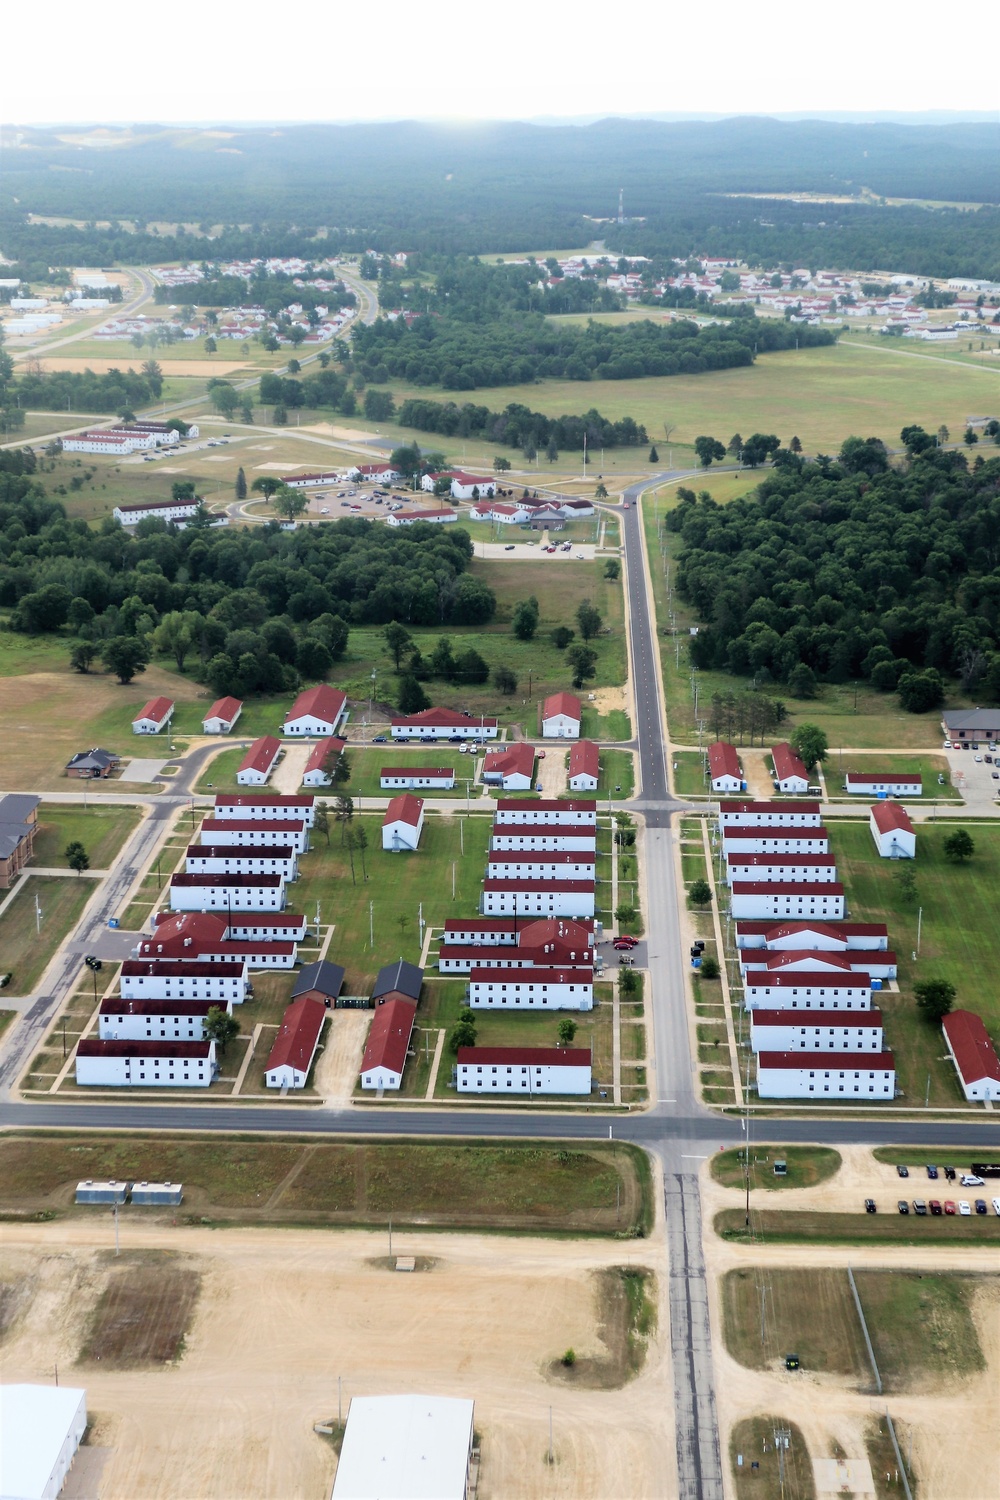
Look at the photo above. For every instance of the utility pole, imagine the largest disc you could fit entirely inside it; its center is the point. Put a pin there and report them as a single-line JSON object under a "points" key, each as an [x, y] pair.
{"points": [[117, 1246], [920, 919], [38, 916], [371, 924]]}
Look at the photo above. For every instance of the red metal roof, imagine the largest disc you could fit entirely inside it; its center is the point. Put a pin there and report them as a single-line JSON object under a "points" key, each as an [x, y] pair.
{"points": [[828, 1018], [855, 979], [786, 956], [324, 751], [572, 930], [389, 1037], [584, 759], [531, 976], [545, 804], [505, 955], [562, 703], [788, 887], [443, 718], [778, 860], [512, 760], [250, 825], [546, 830], [237, 882], [969, 1040], [834, 1061], [261, 755], [404, 809], [787, 763], [772, 930], [889, 817], [723, 760], [774, 830], [151, 1006], [863, 779], [478, 924], [92, 1047], [322, 702], [201, 927], [555, 886], [169, 968], [224, 708], [297, 1035], [156, 710], [772, 806], [542, 857], [541, 1057], [241, 851]]}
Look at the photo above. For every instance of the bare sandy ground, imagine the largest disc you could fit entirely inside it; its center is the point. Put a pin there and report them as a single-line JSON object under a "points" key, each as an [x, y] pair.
{"points": [[287, 776], [956, 1448], [282, 1315], [337, 1070], [552, 771], [607, 699]]}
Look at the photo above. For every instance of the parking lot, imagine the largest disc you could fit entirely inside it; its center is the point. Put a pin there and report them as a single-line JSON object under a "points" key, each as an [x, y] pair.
{"points": [[975, 772]]}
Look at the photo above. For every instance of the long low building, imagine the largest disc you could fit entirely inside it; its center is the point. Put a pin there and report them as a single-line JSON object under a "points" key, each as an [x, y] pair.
{"points": [[826, 1075], [388, 1043], [862, 784], [156, 1020], [538, 898], [259, 761], [566, 837], [239, 831], [782, 869], [207, 937], [294, 1049], [460, 958], [523, 1070], [524, 810], [817, 990], [175, 979], [771, 814], [815, 1031], [443, 724], [266, 806], [835, 936], [973, 1054], [130, 1064], [750, 838], [242, 859], [417, 778], [528, 989], [792, 899], [225, 893], [541, 864], [878, 963], [513, 930]]}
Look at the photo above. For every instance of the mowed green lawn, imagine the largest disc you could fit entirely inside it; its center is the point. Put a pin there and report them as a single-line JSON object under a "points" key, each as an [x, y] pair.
{"points": [[24, 954], [366, 767], [399, 885], [929, 767], [101, 830], [959, 940]]}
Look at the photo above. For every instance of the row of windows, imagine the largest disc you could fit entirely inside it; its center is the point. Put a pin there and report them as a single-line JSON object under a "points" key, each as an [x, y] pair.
{"points": [[840, 1002], [756, 989], [530, 989], [841, 1090]]}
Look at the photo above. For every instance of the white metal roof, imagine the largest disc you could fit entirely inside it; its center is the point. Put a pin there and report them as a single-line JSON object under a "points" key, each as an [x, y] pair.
{"points": [[405, 1448], [35, 1421]]}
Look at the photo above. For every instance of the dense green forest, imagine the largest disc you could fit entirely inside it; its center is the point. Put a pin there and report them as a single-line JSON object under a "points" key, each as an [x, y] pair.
{"points": [[252, 611], [518, 427], [510, 187], [855, 567]]}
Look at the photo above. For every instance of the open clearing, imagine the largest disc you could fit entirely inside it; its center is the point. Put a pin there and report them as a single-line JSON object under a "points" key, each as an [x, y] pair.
{"points": [[24, 956], [101, 364], [282, 1315], [101, 830], [143, 1313]]}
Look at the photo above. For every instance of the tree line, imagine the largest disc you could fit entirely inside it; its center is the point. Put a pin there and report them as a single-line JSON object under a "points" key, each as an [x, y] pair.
{"points": [[519, 427], [854, 567]]}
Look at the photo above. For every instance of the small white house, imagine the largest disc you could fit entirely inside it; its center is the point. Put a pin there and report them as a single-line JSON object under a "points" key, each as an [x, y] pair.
{"points": [[294, 1049], [531, 989], [152, 1064], [815, 1031], [538, 898], [584, 767], [789, 772], [807, 989], [224, 893], [973, 1054], [180, 979], [860, 784], [156, 1020], [571, 837], [724, 771], [237, 831], [561, 716], [798, 899], [894, 834], [222, 716], [748, 838], [259, 761], [523, 1070], [523, 812], [403, 823], [322, 758], [772, 814], [541, 864], [154, 717], [826, 1075], [245, 859], [317, 711], [782, 868]]}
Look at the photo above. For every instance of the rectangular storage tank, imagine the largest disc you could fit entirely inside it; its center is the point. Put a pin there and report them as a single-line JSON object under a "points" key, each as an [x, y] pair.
{"points": [[101, 1192], [146, 1193]]}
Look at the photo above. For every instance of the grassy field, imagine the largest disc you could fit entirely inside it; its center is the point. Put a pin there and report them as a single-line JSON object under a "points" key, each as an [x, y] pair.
{"points": [[101, 830], [366, 765], [753, 1439], [25, 955], [958, 940], [808, 1311], [617, 774], [789, 1227], [251, 1179], [690, 776], [807, 1166], [916, 1156], [921, 1327], [929, 767]]}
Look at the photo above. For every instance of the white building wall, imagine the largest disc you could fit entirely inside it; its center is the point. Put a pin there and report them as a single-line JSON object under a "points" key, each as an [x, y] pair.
{"points": [[757, 841], [827, 906], [266, 812], [516, 817], [381, 1078], [241, 863], [538, 904], [253, 777], [841, 1036], [415, 781], [399, 835], [285, 1077], [759, 995], [781, 872], [184, 987], [145, 1072], [507, 866], [727, 783], [900, 788], [583, 781], [774, 816], [560, 727], [520, 1078], [226, 898], [506, 990], [217, 832], [153, 1028], [309, 724], [443, 732], [507, 838], [825, 1083]]}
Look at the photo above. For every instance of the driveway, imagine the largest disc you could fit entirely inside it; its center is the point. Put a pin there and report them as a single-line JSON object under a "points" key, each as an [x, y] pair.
{"points": [[552, 771], [287, 777]]}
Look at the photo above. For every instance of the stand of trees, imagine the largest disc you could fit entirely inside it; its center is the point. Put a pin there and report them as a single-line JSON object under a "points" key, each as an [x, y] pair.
{"points": [[59, 390], [517, 426]]}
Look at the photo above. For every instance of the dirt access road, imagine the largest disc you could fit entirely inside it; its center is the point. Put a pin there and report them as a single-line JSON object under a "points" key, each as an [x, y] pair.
{"points": [[283, 1314]]}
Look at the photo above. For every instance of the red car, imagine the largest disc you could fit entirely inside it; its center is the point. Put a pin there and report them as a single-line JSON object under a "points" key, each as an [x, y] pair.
{"points": [[949, 1206], [625, 941]]}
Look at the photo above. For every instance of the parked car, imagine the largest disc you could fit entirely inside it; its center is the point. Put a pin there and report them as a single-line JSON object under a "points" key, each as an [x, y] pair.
{"points": [[869, 1205], [380, 739], [456, 739], [964, 1208], [949, 1172], [626, 958], [920, 1207], [935, 1207], [932, 1172], [903, 1206], [996, 1206], [970, 1180], [980, 1205], [988, 759], [902, 1171], [947, 744], [949, 1206], [995, 775], [978, 759], [625, 940], [509, 547]]}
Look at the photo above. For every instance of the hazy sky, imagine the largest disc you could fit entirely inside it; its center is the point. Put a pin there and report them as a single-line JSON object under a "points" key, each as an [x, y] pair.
{"points": [[516, 59]]}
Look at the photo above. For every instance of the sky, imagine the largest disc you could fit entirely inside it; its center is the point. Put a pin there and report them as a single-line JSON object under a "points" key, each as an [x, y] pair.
{"points": [[466, 59]]}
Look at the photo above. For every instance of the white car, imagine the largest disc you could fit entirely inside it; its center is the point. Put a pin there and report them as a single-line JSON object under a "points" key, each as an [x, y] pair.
{"points": [[969, 1180], [996, 1207], [947, 744], [964, 1208], [978, 759]]}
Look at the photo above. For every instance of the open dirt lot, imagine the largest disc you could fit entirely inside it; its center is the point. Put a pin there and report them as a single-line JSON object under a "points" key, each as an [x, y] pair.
{"points": [[956, 1440], [282, 1314]]}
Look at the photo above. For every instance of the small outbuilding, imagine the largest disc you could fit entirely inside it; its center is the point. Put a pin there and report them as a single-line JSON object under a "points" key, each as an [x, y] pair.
{"points": [[973, 1054], [399, 978], [403, 823], [153, 717], [862, 784], [724, 770], [294, 1048], [790, 774], [584, 767], [417, 778], [222, 716], [561, 717], [90, 1191], [894, 834], [321, 981], [322, 759]]}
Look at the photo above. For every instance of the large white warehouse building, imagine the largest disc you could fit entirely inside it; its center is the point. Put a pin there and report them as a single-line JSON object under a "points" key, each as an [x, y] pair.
{"points": [[41, 1427]]}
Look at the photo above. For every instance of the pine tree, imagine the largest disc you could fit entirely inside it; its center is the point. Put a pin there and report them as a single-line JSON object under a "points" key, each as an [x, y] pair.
{"points": [[241, 485]]}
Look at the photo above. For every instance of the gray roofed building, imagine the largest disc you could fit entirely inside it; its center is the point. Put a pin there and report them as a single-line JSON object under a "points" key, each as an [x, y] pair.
{"points": [[321, 978], [96, 762], [18, 823], [399, 978], [972, 723]]}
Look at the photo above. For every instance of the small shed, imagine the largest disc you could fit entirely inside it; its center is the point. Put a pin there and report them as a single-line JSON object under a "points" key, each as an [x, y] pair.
{"points": [[153, 717], [584, 767], [403, 823], [561, 717], [724, 770], [894, 834], [321, 981], [157, 1194], [90, 1191], [259, 761], [222, 716]]}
